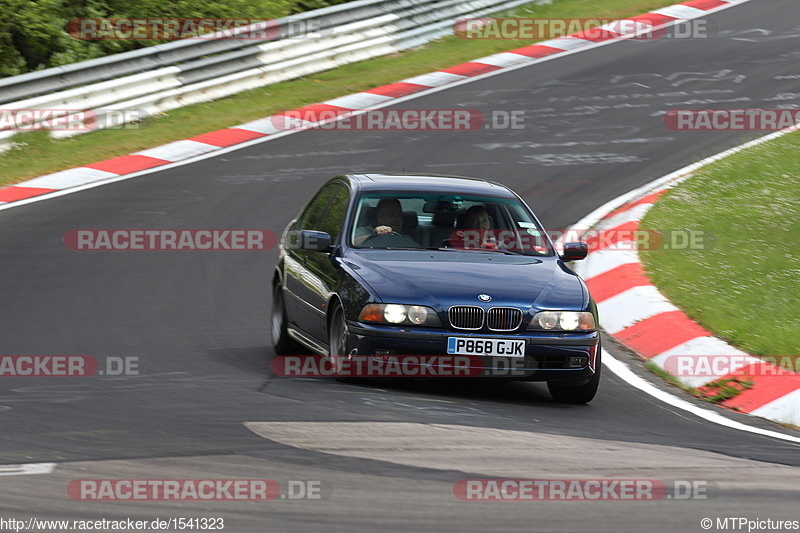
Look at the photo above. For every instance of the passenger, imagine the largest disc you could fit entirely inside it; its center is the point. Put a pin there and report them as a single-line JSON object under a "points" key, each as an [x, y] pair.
{"points": [[477, 218], [477, 231], [390, 219]]}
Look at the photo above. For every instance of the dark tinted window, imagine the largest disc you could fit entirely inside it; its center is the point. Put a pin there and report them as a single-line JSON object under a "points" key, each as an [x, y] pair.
{"points": [[334, 218], [312, 216]]}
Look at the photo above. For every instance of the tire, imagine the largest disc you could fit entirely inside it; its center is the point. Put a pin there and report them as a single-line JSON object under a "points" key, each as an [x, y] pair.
{"points": [[337, 340], [563, 392], [281, 341]]}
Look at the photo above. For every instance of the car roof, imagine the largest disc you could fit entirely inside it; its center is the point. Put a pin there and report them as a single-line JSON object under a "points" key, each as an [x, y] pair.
{"points": [[428, 183]]}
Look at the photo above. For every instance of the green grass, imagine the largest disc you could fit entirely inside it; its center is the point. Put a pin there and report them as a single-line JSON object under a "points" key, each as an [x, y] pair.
{"points": [[37, 154], [715, 392], [744, 287]]}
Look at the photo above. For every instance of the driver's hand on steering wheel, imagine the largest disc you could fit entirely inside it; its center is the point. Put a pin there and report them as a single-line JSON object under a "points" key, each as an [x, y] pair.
{"points": [[383, 230]]}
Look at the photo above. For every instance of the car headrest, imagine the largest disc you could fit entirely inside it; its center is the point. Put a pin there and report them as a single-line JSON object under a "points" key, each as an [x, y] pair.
{"points": [[444, 219], [410, 220], [368, 217], [461, 221]]}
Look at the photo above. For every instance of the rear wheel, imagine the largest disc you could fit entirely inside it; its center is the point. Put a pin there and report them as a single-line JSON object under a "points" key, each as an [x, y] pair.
{"points": [[565, 393], [281, 341]]}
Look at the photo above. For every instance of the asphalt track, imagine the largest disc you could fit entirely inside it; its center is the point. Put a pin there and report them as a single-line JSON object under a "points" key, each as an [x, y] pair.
{"points": [[198, 321]]}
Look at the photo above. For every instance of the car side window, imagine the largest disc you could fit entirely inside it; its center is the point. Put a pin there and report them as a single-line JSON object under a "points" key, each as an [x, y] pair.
{"points": [[311, 218], [334, 217]]}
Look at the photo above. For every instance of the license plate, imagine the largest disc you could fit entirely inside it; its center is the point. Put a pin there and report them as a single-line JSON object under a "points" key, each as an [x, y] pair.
{"points": [[490, 347]]}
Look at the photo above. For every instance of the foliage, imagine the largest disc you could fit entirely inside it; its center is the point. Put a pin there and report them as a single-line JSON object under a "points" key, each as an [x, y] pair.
{"points": [[33, 33]]}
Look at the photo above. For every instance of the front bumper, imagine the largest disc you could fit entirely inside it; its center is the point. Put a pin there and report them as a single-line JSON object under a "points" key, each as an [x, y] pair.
{"points": [[548, 356]]}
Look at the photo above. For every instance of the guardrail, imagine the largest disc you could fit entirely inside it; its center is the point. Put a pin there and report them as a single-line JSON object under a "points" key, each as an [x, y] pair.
{"points": [[162, 77]]}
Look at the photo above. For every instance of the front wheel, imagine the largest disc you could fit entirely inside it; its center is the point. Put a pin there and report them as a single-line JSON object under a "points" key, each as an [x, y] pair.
{"points": [[565, 393], [281, 341], [337, 340]]}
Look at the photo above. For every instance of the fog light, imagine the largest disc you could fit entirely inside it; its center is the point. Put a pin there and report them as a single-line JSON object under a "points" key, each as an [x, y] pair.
{"points": [[577, 362]]}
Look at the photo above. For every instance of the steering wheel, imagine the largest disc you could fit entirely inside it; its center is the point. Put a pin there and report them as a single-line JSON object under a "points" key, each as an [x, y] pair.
{"points": [[374, 235], [393, 239]]}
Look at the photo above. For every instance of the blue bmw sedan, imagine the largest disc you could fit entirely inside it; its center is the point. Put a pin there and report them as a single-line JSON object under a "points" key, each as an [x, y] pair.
{"points": [[378, 265]]}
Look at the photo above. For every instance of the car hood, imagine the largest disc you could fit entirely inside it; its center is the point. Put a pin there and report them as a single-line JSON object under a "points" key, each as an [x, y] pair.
{"points": [[449, 278]]}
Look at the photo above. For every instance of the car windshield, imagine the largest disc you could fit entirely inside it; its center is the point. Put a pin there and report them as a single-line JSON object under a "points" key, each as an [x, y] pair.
{"points": [[415, 221]]}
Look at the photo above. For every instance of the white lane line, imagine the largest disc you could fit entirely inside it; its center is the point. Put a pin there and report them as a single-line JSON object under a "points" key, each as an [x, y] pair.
{"points": [[621, 369], [27, 469]]}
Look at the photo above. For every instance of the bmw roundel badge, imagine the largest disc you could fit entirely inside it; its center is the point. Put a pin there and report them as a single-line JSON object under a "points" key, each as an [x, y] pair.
{"points": [[484, 298]]}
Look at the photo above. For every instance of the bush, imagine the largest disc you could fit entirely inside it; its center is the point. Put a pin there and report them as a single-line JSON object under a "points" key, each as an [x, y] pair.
{"points": [[33, 34]]}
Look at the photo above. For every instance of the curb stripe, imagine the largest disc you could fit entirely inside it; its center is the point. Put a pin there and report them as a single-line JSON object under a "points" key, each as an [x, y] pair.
{"points": [[705, 5], [14, 193], [653, 19], [679, 11], [470, 69], [706, 350], [631, 306], [128, 163], [616, 281], [613, 237], [398, 89], [660, 333], [649, 199], [536, 51], [227, 137], [766, 388], [178, 150]]}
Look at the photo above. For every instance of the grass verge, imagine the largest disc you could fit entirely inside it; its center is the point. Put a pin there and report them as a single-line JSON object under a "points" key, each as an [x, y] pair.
{"points": [[714, 392], [36, 154], [743, 286]]}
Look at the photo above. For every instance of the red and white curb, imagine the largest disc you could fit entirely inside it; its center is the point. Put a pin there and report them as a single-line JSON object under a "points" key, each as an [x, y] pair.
{"points": [[265, 129], [637, 315]]}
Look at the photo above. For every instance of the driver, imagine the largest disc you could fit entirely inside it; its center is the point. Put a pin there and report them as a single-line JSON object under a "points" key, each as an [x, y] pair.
{"points": [[390, 219]]}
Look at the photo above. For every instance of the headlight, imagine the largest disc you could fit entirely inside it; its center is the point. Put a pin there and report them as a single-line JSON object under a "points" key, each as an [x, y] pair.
{"points": [[418, 315], [563, 321]]}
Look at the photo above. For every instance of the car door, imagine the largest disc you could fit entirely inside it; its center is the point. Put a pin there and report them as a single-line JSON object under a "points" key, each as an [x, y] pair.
{"points": [[310, 276], [320, 266]]}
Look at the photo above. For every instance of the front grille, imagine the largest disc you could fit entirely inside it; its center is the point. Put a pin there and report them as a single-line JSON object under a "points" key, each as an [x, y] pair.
{"points": [[497, 318], [503, 318], [466, 317]]}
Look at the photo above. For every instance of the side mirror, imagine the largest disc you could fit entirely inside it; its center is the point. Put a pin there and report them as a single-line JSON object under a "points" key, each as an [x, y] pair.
{"points": [[309, 241], [575, 251]]}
